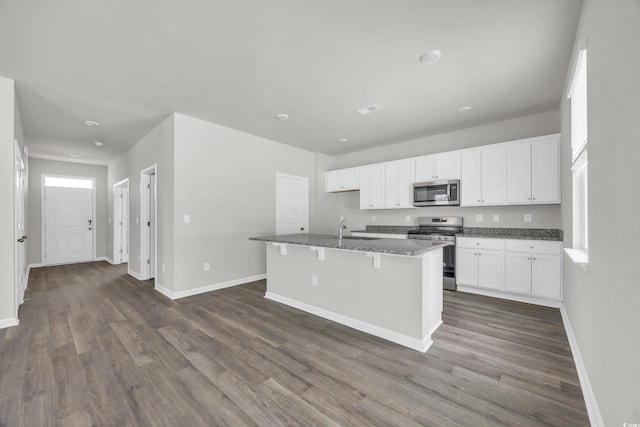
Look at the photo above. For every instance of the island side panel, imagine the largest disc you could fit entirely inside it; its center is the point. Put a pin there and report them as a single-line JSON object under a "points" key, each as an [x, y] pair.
{"points": [[347, 284], [432, 296]]}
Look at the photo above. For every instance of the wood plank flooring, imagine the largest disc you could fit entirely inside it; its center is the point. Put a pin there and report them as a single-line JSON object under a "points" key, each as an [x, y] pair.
{"points": [[97, 347]]}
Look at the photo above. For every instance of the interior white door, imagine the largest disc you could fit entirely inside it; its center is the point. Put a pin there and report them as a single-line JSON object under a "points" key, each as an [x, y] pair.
{"points": [[292, 204], [124, 212], [68, 225], [20, 232], [151, 224], [121, 223]]}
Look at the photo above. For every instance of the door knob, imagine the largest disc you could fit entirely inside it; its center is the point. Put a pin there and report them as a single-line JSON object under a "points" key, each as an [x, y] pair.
{"points": [[21, 240], [301, 228], [24, 237]]}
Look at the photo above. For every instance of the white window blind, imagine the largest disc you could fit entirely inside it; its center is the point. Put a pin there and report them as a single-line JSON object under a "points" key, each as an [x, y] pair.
{"points": [[578, 95]]}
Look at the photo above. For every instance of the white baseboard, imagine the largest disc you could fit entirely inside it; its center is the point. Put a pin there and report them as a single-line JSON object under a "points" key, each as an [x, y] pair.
{"points": [[109, 260], [36, 265], [595, 417], [133, 274], [164, 291], [404, 340], [100, 258], [7, 323], [208, 288], [510, 297]]}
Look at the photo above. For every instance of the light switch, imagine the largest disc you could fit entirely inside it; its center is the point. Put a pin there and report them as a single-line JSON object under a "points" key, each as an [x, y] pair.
{"points": [[496, 218], [373, 218], [479, 218], [187, 218], [407, 218], [527, 217]]}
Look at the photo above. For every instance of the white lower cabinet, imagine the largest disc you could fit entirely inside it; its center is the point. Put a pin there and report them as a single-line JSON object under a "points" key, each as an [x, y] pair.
{"points": [[480, 263], [529, 268]]}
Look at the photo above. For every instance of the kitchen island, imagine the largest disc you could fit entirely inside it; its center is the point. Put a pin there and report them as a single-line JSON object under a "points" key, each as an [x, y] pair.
{"points": [[385, 287]]}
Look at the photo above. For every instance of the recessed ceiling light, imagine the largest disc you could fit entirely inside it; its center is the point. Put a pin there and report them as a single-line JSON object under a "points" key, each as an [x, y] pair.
{"points": [[91, 123], [430, 57], [464, 109], [282, 117], [74, 155], [342, 140], [368, 109], [98, 143]]}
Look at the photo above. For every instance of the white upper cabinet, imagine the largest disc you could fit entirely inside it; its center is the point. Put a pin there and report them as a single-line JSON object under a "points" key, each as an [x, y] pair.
{"points": [[545, 170], [372, 187], [398, 184], [533, 170], [342, 180], [483, 176], [438, 167]]}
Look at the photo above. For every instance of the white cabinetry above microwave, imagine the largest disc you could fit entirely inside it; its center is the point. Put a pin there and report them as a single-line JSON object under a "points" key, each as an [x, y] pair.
{"points": [[437, 167], [533, 170], [519, 172], [342, 180]]}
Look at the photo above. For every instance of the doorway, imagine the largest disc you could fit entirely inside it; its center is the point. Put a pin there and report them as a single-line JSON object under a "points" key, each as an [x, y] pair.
{"points": [[292, 204], [148, 222], [68, 219], [20, 274], [121, 222]]}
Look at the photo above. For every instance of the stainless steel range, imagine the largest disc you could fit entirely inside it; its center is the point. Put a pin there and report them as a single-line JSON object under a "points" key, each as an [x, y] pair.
{"points": [[441, 228]]}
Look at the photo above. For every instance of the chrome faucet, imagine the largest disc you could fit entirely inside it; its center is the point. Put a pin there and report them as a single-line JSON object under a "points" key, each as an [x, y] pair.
{"points": [[341, 228]]}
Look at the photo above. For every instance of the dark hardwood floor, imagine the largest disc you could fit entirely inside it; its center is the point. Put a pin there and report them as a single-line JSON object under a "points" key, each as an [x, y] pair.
{"points": [[97, 347]]}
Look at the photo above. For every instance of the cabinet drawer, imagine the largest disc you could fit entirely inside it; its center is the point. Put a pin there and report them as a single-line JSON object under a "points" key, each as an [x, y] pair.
{"points": [[535, 246], [480, 243]]}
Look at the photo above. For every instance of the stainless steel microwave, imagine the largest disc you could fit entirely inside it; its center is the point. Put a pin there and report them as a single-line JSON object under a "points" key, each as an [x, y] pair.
{"points": [[437, 193]]}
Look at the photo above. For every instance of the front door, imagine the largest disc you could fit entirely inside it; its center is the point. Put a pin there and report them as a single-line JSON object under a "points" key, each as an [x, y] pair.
{"points": [[69, 223], [292, 204]]}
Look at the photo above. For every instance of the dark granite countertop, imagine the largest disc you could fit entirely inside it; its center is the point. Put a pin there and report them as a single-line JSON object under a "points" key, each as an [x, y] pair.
{"points": [[387, 229], [513, 233], [406, 247]]}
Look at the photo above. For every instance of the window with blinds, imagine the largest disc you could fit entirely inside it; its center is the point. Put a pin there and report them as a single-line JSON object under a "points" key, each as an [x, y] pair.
{"points": [[580, 162], [578, 95]]}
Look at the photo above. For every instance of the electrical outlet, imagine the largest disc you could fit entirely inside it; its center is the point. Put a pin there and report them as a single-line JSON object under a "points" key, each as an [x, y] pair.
{"points": [[496, 218], [527, 217], [164, 268], [314, 280], [109, 221], [341, 218], [407, 218], [206, 266], [373, 218], [187, 218], [479, 218], [137, 220]]}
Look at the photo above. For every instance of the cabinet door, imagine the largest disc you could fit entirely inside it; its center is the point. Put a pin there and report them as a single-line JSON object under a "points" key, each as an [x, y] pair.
{"points": [[448, 166], [545, 161], [342, 180], [372, 183], [466, 267], [546, 276], [493, 176], [519, 173], [470, 178], [398, 184], [491, 269], [518, 276], [425, 168]]}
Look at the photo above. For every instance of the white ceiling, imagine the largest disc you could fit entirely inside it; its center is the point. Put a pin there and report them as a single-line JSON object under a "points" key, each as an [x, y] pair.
{"points": [[238, 63]]}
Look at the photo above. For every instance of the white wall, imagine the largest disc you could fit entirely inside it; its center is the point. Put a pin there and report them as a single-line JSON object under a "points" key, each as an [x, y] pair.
{"points": [[225, 180], [37, 167], [332, 206], [7, 131], [603, 303], [154, 148]]}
